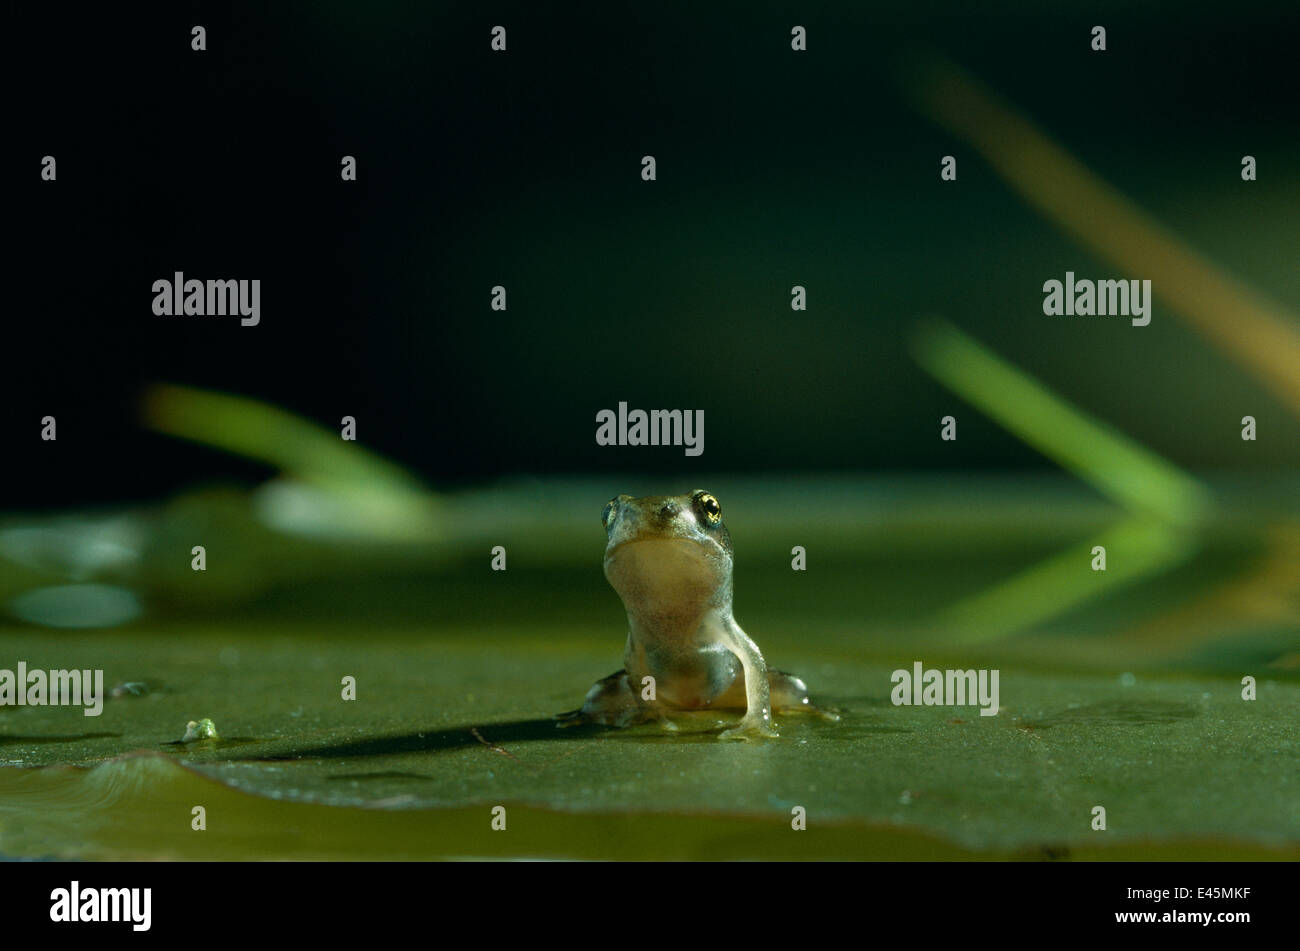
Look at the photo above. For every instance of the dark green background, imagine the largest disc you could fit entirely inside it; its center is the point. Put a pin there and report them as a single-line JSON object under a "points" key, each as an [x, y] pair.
{"points": [[774, 168]]}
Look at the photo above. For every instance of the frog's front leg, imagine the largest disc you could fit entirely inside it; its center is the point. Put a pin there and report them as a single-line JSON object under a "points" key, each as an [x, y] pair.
{"points": [[757, 720], [611, 702]]}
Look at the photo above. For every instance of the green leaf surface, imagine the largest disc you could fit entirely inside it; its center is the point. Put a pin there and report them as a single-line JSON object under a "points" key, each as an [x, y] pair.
{"points": [[1131, 699], [444, 730]]}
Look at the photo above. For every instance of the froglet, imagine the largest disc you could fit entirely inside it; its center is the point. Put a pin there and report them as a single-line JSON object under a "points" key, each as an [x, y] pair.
{"points": [[670, 560]]}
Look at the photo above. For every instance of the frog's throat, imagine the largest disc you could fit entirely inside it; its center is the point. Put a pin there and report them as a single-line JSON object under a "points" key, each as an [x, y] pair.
{"points": [[667, 576]]}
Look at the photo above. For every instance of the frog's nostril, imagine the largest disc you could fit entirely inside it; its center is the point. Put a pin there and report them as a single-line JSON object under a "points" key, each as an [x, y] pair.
{"points": [[669, 509]]}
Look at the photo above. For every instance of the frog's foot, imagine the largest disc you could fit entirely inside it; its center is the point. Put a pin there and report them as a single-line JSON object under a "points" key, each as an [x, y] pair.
{"points": [[569, 718], [790, 695], [664, 722], [750, 728], [611, 702]]}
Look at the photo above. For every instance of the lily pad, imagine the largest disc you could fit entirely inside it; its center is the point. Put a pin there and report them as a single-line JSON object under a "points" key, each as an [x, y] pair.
{"points": [[458, 670]]}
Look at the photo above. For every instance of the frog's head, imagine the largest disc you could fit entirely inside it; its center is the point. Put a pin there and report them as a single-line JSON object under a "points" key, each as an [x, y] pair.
{"points": [[667, 552]]}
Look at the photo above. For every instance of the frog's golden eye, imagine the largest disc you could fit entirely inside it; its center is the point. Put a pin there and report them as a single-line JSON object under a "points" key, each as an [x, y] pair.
{"points": [[607, 515], [710, 507]]}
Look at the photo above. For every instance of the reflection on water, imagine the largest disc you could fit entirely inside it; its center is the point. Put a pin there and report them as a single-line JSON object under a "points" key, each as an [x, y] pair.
{"points": [[76, 605]]}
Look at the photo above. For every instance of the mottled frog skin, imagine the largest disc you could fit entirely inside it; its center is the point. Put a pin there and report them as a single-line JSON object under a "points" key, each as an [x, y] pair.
{"points": [[669, 557]]}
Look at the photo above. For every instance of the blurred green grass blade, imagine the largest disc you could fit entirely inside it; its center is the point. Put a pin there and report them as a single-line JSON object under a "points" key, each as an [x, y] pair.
{"points": [[1136, 548], [260, 431], [1262, 335], [337, 486], [1101, 455]]}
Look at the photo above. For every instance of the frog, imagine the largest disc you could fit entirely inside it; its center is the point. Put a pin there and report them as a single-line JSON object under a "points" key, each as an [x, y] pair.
{"points": [[669, 558]]}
